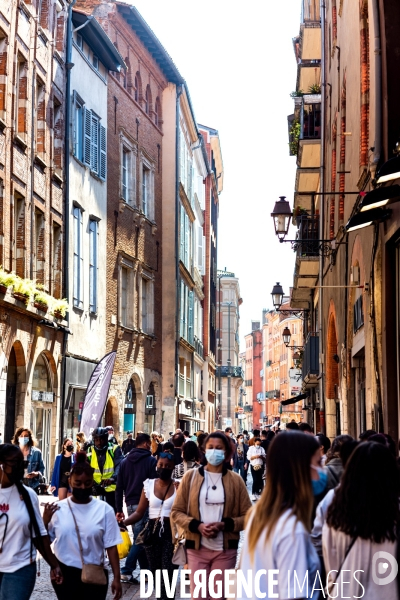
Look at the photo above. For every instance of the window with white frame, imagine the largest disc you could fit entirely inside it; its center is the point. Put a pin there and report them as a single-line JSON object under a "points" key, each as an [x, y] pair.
{"points": [[185, 235], [200, 250], [78, 257], [128, 172], [186, 313], [93, 264], [186, 166], [90, 138], [147, 303], [126, 300], [147, 188]]}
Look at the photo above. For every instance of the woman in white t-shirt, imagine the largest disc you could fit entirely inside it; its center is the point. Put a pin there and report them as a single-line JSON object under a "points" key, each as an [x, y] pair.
{"points": [[360, 531], [256, 455], [21, 530], [277, 532], [158, 496], [98, 531]]}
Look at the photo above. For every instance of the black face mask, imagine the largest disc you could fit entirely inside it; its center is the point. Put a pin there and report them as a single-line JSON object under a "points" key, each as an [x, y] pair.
{"points": [[69, 448], [164, 474], [82, 493]]}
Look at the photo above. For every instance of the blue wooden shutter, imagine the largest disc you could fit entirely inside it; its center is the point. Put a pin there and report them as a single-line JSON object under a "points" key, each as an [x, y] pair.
{"points": [[87, 135]]}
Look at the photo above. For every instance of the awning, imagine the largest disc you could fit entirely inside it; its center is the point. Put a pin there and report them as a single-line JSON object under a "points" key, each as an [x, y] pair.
{"points": [[294, 399], [183, 417]]}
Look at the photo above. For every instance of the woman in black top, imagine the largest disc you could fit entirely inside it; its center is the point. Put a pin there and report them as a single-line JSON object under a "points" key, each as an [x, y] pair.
{"points": [[62, 468]]}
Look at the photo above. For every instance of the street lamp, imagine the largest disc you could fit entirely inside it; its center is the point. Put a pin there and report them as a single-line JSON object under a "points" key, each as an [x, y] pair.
{"points": [[281, 215], [277, 295], [286, 335]]}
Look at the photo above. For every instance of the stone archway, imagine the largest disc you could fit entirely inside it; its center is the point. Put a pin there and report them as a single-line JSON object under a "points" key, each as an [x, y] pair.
{"points": [[332, 377], [15, 391]]}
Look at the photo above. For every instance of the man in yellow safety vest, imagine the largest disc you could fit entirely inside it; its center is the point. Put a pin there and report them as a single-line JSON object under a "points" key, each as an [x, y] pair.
{"points": [[105, 458]]}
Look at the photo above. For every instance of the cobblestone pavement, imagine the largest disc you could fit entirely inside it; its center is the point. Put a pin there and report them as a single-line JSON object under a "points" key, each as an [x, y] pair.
{"points": [[44, 591]]}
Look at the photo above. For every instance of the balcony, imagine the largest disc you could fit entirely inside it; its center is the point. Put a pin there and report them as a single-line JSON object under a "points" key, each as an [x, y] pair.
{"points": [[309, 151], [310, 31], [310, 369], [273, 394], [248, 408], [198, 346], [234, 371], [307, 250]]}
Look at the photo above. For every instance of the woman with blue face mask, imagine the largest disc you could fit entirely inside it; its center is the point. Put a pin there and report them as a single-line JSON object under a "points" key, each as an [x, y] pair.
{"points": [[35, 467], [210, 508]]}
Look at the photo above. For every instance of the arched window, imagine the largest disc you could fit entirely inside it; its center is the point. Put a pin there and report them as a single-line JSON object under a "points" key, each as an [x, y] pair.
{"points": [[41, 381], [157, 112], [138, 88], [148, 100]]}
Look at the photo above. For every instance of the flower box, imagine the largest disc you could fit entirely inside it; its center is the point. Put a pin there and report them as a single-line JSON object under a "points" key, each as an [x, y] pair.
{"points": [[21, 297], [41, 306], [58, 315]]}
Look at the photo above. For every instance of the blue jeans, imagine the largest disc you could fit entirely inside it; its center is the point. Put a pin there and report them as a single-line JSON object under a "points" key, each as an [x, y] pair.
{"points": [[136, 553], [241, 470], [18, 585]]}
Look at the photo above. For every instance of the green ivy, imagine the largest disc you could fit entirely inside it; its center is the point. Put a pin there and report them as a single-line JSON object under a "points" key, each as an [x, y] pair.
{"points": [[294, 136]]}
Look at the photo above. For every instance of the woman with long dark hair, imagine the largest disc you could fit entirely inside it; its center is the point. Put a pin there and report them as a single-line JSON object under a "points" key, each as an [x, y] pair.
{"points": [[362, 520], [82, 528], [210, 508], [191, 460], [21, 530], [158, 496], [61, 470], [277, 532]]}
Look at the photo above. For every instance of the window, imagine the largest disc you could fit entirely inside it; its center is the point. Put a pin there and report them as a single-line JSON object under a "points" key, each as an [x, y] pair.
{"points": [[19, 236], [40, 118], [93, 267], [186, 310], [149, 401], [3, 73], [57, 135], [79, 41], [185, 238], [90, 138], [39, 247], [22, 90], [95, 62], [157, 113], [147, 188], [147, 106], [201, 247], [128, 172], [126, 301], [78, 257], [124, 295], [136, 89], [147, 304], [57, 261]]}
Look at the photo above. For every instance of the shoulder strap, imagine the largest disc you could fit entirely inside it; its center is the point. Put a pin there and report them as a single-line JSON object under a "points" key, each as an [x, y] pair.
{"points": [[77, 531]]}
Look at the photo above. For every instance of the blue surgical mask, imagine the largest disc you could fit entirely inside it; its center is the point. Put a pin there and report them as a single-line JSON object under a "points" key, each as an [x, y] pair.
{"points": [[23, 441], [319, 485], [215, 457]]}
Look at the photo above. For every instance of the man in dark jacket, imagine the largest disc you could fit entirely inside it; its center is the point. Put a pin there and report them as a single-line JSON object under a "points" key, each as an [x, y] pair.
{"points": [[128, 444], [138, 466]]}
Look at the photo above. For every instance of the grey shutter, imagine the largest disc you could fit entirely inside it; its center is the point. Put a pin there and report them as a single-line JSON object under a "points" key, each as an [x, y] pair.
{"points": [[103, 153], [95, 144], [191, 319], [87, 131]]}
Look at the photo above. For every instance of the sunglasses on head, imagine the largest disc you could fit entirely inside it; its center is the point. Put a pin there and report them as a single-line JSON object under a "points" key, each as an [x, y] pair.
{"points": [[166, 455]]}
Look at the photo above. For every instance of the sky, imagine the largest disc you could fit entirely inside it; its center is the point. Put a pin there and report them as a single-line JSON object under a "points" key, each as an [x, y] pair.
{"points": [[238, 61]]}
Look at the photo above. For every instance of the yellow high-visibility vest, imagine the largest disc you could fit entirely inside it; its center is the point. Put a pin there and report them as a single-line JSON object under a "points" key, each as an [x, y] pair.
{"points": [[108, 469]]}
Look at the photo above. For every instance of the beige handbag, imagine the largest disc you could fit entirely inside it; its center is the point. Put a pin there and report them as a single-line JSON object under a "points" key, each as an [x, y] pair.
{"points": [[93, 574]]}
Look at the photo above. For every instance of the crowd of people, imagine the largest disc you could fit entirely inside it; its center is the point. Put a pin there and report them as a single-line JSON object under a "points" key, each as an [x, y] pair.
{"points": [[317, 507]]}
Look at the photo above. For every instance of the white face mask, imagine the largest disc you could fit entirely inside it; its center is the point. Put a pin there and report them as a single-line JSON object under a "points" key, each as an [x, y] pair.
{"points": [[110, 436], [23, 441]]}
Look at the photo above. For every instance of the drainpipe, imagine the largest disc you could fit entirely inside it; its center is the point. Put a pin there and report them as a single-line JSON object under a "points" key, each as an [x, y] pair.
{"points": [[378, 89], [69, 66], [321, 223], [179, 91], [33, 117]]}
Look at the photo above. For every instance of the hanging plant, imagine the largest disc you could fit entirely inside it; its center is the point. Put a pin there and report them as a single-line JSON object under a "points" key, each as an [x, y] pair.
{"points": [[294, 136], [297, 94], [23, 289]]}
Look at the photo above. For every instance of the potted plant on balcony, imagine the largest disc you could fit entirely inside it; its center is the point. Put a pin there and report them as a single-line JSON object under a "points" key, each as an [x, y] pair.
{"points": [[6, 279], [41, 300], [297, 94], [314, 89], [298, 213], [22, 289], [294, 136], [59, 308]]}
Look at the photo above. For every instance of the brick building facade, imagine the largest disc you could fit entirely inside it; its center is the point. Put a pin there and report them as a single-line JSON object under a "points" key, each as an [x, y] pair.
{"points": [[32, 104]]}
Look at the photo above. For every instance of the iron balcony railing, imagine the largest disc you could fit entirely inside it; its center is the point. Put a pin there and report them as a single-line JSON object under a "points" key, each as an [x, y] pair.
{"points": [[234, 371], [310, 122], [198, 346], [307, 242], [273, 394], [311, 357]]}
